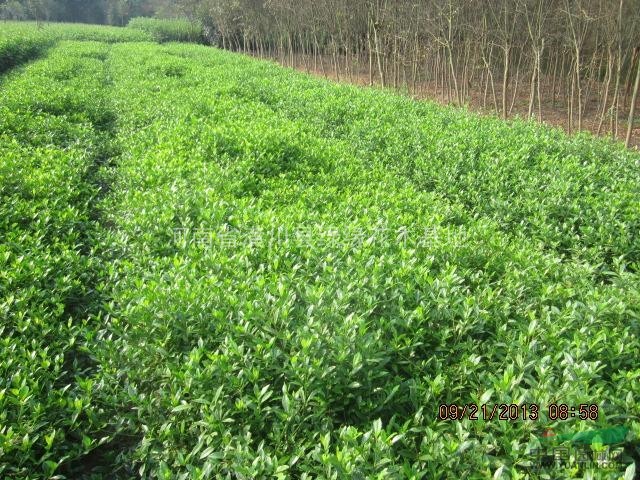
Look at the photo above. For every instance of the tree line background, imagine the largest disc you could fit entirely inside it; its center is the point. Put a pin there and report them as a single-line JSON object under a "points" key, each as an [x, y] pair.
{"points": [[112, 12], [574, 62]]}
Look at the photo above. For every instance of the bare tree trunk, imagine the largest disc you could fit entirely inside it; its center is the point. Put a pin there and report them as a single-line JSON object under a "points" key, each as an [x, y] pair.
{"points": [[515, 88], [532, 92], [377, 45], [336, 62], [570, 103], [437, 74], [453, 71], [592, 78], [505, 80], [370, 58], [632, 110], [415, 62], [627, 82], [605, 99], [550, 79], [484, 79], [616, 93], [538, 87], [487, 64], [394, 62], [578, 88]]}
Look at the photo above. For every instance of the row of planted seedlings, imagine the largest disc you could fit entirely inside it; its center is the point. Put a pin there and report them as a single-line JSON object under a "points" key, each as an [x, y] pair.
{"points": [[56, 142], [21, 42], [270, 313]]}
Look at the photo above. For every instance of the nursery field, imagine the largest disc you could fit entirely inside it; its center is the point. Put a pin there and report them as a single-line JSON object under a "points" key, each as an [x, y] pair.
{"points": [[215, 267]]}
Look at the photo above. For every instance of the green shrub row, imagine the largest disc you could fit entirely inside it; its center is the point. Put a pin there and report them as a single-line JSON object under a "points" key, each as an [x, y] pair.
{"points": [[20, 46], [21, 42], [165, 30], [55, 126]]}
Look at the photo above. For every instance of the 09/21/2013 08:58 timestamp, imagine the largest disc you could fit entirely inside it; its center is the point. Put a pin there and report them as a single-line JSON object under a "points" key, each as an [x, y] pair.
{"points": [[515, 412]]}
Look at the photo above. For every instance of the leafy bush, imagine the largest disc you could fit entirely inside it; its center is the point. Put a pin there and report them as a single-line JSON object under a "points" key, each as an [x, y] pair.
{"points": [[165, 30]]}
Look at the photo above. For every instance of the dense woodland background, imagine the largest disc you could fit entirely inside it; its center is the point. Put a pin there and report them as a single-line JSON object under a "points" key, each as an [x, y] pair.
{"points": [[569, 62], [113, 12]]}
